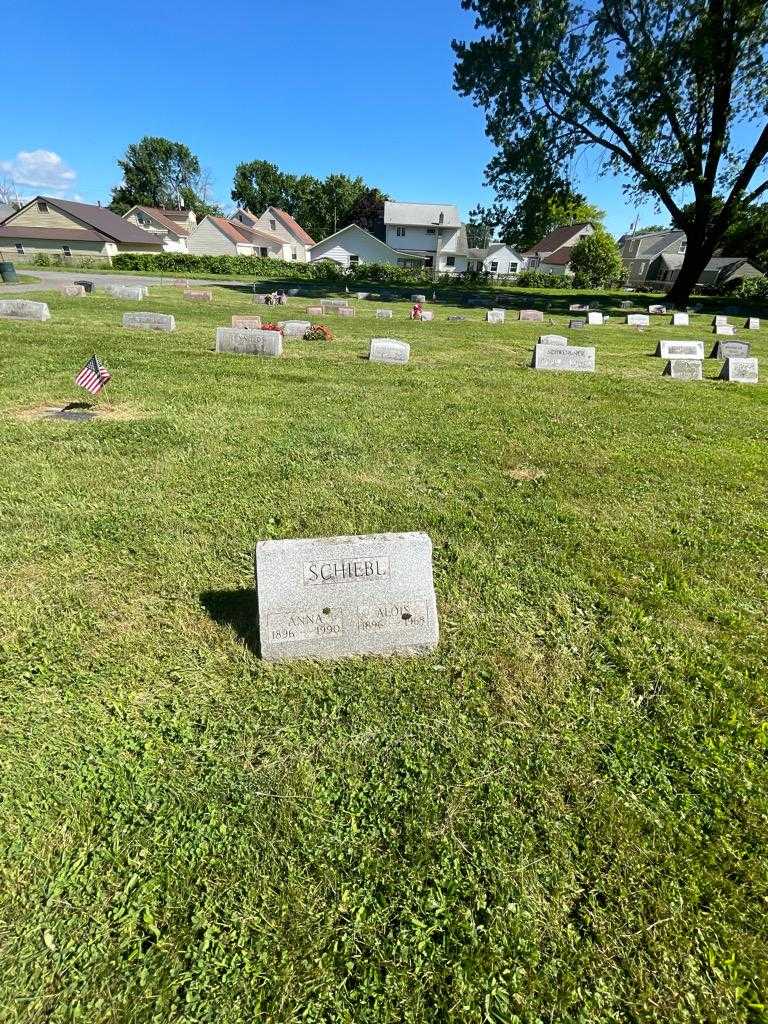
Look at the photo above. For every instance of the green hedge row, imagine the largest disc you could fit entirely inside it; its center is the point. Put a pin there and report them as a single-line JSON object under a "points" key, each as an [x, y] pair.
{"points": [[278, 270]]}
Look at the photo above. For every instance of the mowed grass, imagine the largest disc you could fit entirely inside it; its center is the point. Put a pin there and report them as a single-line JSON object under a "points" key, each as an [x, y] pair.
{"points": [[561, 815]]}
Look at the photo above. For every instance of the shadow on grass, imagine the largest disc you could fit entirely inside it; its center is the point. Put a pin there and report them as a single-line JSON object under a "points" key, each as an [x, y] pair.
{"points": [[236, 608]]}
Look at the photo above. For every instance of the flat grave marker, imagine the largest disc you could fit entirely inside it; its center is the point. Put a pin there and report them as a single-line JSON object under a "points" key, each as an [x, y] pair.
{"points": [[23, 309], [124, 291], [683, 369], [383, 314], [578, 307], [388, 350], [670, 349], [534, 315], [345, 310], [337, 597], [199, 296], [427, 315], [246, 323], [295, 328], [657, 309], [249, 342], [744, 371], [315, 311], [149, 321], [638, 320], [564, 357], [576, 325]]}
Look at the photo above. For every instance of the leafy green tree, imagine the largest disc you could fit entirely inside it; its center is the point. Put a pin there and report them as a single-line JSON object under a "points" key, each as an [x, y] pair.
{"points": [[159, 172], [367, 210], [596, 261], [659, 89], [259, 184]]}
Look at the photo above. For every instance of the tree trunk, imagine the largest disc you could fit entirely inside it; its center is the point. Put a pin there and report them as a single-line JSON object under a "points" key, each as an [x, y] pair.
{"points": [[698, 253]]}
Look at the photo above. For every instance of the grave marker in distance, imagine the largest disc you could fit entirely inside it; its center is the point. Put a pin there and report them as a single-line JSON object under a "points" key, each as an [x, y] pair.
{"points": [[564, 357], [383, 314], [657, 309], [389, 350], [680, 320], [595, 319], [742, 370], [246, 323], [753, 323], [315, 311], [535, 315], [249, 342], [199, 296], [683, 369], [150, 321], [638, 320], [495, 316], [23, 309], [552, 339], [336, 597], [684, 349], [295, 328]]}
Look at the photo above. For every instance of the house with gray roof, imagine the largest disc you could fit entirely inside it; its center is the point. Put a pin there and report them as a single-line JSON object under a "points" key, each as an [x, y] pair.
{"points": [[66, 229], [432, 232], [654, 259], [173, 226], [497, 259]]}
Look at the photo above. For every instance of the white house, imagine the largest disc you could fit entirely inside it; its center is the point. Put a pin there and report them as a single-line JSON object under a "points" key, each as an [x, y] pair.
{"points": [[217, 236], [498, 259], [432, 231], [552, 254], [280, 223], [353, 245], [173, 226]]}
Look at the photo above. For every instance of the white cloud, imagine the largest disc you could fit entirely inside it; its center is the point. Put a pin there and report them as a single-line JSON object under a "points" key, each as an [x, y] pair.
{"points": [[39, 168]]}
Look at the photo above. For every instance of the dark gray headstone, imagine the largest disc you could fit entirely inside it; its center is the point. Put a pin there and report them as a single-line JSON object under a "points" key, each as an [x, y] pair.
{"points": [[730, 350]]}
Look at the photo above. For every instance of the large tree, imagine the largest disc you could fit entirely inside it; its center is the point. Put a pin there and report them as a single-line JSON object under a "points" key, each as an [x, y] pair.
{"points": [[320, 206], [665, 90], [159, 172]]}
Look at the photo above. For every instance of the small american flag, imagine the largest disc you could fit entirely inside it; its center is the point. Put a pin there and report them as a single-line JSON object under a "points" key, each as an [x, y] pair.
{"points": [[93, 376]]}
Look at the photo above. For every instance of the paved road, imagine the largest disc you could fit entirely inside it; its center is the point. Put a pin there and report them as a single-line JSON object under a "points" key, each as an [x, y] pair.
{"points": [[52, 278]]}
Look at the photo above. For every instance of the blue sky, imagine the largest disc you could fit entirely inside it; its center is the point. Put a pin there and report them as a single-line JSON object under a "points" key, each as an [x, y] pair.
{"points": [[314, 86]]}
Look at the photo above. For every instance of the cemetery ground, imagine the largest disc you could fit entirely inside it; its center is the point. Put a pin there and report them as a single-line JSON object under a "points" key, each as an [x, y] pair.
{"points": [[560, 814]]}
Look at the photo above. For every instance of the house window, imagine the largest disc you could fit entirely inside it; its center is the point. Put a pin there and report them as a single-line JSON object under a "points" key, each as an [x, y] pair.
{"points": [[42, 207], [272, 226], [264, 252], [450, 261], [401, 232], [353, 260], [19, 249], [513, 268], [494, 267], [66, 249], [533, 262], [294, 254]]}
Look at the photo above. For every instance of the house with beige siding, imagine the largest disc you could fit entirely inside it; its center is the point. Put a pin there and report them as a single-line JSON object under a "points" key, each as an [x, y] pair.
{"points": [[218, 236], [552, 254], [68, 230], [280, 223], [173, 226]]}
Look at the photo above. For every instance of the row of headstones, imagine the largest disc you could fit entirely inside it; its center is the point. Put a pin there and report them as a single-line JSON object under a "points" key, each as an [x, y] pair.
{"points": [[685, 358], [239, 340]]}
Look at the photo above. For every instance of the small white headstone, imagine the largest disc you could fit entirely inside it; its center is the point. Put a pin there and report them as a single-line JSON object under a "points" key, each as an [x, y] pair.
{"points": [[725, 330], [149, 321], [532, 314], [595, 319], [125, 291], [315, 310], [742, 370], [23, 309], [389, 350], [295, 328], [335, 597], [638, 320], [680, 320], [246, 323], [495, 316], [564, 357], [657, 309], [683, 369], [753, 324], [73, 291], [249, 342], [418, 298], [680, 349], [345, 310], [552, 339], [427, 315], [383, 314]]}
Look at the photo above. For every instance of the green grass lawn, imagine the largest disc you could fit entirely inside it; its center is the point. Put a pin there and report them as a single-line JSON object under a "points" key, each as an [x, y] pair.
{"points": [[20, 279], [560, 815]]}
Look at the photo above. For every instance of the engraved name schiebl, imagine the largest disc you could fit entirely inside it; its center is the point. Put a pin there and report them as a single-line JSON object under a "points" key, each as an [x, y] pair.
{"points": [[347, 570]]}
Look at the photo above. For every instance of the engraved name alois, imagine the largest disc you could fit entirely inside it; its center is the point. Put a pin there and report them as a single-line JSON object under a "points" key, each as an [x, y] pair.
{"points": [[347, 570]]}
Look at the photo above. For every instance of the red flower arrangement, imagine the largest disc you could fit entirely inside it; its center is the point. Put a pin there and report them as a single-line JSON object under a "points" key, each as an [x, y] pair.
{"points": [[272, 327], [318, 332]]}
